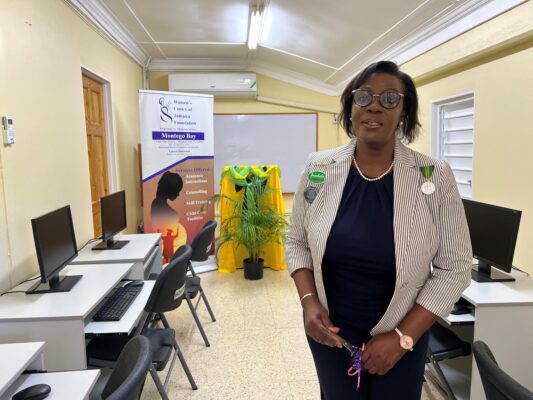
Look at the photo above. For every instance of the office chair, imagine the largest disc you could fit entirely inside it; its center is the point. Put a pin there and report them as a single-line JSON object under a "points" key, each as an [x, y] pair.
{"points": [[444, 345], [496, 383], [201, 245], [126, 380], [167, 295]]}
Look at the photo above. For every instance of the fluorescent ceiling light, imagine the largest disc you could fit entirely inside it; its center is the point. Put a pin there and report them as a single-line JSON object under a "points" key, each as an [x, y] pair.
{"points": [[255, 27]]}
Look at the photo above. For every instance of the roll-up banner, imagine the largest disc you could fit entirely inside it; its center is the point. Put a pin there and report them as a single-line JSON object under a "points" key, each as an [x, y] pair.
{"points": [[177, 165]]}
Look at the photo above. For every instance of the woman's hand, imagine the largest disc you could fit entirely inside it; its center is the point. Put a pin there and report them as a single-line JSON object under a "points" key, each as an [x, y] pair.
{"points": [[315, 319], [382, 353]]}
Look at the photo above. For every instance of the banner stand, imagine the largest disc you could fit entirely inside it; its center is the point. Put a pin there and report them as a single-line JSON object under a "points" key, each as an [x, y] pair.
{"points": [[177, 165]]}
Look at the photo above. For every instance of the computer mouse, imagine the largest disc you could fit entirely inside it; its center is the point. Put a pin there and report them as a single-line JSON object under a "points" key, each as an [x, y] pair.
{"points": [[459, 309], [35, 392], [135, 283]]}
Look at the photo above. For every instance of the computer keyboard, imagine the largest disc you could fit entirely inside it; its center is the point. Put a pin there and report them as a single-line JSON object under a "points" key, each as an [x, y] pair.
{"points": [[117, 304]]}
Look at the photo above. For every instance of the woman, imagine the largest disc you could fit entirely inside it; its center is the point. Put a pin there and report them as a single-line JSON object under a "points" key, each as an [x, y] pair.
{"points": [[369, 219]]}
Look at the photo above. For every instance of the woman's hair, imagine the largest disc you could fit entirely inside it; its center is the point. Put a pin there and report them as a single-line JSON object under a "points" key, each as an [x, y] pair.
{"points": [[409, 128], [170, 185]]}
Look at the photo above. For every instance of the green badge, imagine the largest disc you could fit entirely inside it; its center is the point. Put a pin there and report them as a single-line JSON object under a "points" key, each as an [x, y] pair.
{"points": [[316, 177]]}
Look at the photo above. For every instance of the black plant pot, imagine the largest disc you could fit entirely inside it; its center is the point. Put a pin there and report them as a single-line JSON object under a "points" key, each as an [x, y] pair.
{"points": [[253, 271]]}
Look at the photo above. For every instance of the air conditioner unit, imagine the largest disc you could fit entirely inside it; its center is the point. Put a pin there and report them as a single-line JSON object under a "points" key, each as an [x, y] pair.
{"points": [[219, 84]]}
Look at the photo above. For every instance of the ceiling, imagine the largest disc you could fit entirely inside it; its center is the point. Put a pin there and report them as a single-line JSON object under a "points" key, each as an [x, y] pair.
{"points": [[311, 43]]}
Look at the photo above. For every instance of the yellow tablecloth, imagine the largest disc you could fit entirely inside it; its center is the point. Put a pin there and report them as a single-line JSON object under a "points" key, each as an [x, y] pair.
{"points": [[230, 256]]}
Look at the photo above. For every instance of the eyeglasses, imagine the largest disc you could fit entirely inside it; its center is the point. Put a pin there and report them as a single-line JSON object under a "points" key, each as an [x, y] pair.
{"points": [[388, 99]]}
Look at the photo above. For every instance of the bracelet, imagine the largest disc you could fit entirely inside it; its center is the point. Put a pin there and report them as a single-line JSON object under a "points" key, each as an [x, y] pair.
{"points": [[306, 296]]}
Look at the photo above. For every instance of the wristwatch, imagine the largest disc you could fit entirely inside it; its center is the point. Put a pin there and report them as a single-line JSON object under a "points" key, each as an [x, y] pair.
{"points": [[406, 341]]}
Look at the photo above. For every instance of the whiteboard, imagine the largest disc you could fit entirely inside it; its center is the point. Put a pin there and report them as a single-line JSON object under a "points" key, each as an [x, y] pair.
{"points": [[265, 139]]}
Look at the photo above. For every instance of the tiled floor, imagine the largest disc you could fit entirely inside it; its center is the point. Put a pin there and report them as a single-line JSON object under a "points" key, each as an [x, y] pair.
{"points": [[258, 347]]}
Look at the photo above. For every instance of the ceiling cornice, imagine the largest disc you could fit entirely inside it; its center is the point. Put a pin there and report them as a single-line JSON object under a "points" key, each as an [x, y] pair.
{"points": [[100, 16], [463, 18], [295, 78]]}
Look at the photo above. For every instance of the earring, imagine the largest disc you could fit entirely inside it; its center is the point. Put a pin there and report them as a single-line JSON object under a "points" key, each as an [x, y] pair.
{"points": [[350, 118]]}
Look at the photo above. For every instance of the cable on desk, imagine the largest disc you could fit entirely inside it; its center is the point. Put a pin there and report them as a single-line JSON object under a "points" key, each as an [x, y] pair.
{"points": [[31, 279], [89, 241], [14, 291], [518, 269], [17, 291]]}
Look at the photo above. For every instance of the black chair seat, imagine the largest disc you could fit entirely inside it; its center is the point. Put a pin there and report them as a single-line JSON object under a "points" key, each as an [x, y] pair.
{"points": [[193, 282], [445, 344], [161, 344], [192, 286]]}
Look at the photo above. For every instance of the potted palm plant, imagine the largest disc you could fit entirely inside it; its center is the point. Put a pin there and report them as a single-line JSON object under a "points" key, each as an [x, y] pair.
{"points": [[252, 224]]}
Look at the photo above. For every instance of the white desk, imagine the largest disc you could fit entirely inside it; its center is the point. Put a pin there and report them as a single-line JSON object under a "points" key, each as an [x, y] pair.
{"points": [[65, 385], [63, 319], [503, 318], [143, 250], [15, 358], [18, 357]]}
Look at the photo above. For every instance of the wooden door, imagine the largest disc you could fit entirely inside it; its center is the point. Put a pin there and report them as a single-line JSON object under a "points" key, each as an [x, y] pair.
{"points": [[93, 95]]}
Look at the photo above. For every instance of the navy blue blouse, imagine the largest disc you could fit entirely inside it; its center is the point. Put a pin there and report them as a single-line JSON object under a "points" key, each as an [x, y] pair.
{"points": [[359, 264]]}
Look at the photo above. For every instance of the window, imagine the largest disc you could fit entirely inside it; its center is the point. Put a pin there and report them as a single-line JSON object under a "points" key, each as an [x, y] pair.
{"points": [[453, 138]]}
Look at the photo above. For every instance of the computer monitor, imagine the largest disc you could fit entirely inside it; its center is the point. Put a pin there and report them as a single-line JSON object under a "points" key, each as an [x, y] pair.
{"points": [[55, 244], [113, 210], [493, 233]]}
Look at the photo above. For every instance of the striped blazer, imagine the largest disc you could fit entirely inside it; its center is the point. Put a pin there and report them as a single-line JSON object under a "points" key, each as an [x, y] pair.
{"points": [[428, 230]]}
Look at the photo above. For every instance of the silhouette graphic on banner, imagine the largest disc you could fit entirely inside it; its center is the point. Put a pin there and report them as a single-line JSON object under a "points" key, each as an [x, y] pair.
{"points": [[165, 219]]}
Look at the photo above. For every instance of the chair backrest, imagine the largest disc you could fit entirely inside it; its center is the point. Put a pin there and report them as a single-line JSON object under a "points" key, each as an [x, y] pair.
{"points": [[496, 383], [170, 284], [127, 379], [201, 244]]}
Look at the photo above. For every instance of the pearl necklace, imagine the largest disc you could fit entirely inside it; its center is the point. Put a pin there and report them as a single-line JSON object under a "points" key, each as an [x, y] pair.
{"points": [[371, 179]]}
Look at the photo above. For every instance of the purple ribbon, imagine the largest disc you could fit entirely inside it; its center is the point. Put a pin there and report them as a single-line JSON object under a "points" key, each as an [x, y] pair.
{"points": [[356, 363]]}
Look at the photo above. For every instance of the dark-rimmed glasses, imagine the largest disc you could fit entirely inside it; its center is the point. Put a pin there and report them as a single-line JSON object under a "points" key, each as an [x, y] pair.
{"points": [[388, 99]]}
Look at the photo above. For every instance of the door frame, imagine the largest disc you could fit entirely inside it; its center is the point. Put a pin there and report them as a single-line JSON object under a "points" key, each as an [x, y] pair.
{"points": [[111, 152]]}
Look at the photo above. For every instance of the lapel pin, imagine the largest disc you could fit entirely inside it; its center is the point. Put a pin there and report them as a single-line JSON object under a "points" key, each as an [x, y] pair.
{"points": [[316, 177], [310, 194], [323, 164]]}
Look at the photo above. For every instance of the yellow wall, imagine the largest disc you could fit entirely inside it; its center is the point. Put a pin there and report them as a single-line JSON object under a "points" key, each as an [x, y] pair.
{"points": [[329, 134], [498, 71], [42, 47]]}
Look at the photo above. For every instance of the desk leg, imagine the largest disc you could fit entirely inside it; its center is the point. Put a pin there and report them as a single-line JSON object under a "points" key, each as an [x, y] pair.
{"points": [[65, 341], [38, 364], [507, 330]]}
